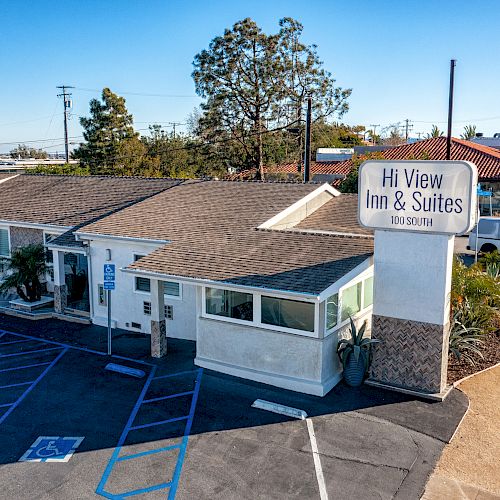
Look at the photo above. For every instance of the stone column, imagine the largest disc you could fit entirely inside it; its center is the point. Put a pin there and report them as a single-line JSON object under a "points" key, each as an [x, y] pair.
{"points": [[158, 324], [411, 311], [60, 287]]}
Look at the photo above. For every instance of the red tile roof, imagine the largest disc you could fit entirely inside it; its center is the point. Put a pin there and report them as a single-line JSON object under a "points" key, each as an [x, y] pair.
{"points": [[486, 159]]}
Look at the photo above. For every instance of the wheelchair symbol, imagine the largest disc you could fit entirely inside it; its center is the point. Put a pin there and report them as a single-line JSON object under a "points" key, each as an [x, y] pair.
{"points": [[49, 450]]}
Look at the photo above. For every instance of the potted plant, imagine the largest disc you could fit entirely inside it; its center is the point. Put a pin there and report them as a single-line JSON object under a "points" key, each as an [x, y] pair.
{"points": [[24, 271], [354, 353]]}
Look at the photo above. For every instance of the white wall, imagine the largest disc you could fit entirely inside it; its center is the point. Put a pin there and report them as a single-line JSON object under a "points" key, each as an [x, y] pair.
{"points": [[126, 303]]}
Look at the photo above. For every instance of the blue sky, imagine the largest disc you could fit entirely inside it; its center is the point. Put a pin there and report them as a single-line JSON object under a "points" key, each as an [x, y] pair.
{"points": [[393, 54]]}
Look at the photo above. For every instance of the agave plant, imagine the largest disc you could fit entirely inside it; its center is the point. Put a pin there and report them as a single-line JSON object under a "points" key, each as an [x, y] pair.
{"points": [[354, 353], [465, 343]]}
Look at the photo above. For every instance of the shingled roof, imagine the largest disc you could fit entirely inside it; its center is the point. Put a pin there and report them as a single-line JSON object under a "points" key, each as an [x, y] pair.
{"points": [[212, 227], [69, 201]]}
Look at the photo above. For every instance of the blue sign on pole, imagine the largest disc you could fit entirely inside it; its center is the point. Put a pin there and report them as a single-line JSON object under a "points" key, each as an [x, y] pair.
{"points": [[109, 272], [109, 285]]}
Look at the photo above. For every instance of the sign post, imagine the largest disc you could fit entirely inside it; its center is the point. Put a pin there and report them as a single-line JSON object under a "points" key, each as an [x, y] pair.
{"points": [[416, 209], [109, 284]]}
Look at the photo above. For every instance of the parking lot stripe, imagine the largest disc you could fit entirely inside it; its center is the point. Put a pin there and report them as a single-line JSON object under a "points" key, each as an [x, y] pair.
{"points": [[178, 395], [16, 385], [151, 452], [78, 348], [160, 422], [25, 366], [30, 388], [187, 432], [145, 490], [15, 342], [29, 352], [317, 462], [175, 374], [6, 404]]}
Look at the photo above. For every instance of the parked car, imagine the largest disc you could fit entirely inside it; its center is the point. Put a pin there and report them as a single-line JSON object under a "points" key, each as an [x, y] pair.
{"points": [[489, 235]]}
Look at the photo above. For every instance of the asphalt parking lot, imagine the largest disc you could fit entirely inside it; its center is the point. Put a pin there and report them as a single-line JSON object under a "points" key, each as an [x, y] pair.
{"points": [[186, 433]]}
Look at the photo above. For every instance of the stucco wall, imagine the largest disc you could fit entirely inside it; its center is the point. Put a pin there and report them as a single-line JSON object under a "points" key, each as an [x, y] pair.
{"points": [[23, 236], [126, 303]]}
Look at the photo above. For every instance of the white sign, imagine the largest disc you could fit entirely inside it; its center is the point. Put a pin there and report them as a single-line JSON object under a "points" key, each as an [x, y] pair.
{"points": [[421, 196]]}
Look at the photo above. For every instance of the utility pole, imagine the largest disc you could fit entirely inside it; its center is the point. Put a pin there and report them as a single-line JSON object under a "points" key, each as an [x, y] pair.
{"points": [[374, 127], [67, 105], [453, 62], [307, 152], [408, 127]]}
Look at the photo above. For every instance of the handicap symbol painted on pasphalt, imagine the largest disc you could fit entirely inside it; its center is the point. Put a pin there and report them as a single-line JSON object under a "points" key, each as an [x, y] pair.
{"points": [[51, 449]]}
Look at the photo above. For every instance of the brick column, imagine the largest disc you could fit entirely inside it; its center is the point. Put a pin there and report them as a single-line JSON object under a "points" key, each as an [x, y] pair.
{"points": [[60, 287], [158, 324], [411, 311]]}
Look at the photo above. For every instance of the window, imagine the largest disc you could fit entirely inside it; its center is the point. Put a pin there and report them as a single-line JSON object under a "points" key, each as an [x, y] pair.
{"points": [[351, 301], [171, 288], [142, 284], [169, 312], [4, 243], [332, 311], [101, 295], [368, 292], [137, 257], [228, 303], [147, 308], [288, 313]]}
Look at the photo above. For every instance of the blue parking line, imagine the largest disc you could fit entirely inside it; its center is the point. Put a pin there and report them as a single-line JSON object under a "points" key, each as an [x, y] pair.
{"points": [[130, 427], [78, 348], [30, 388], [16, 385], [176, 374], [161, 422], [151, 452], [6, 404], [182, 454], [178, 395], [25, 366], [29, 352], [14, 342]]}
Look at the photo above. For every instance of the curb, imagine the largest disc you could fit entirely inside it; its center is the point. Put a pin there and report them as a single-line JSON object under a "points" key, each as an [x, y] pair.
{"points": [[458, 382]]}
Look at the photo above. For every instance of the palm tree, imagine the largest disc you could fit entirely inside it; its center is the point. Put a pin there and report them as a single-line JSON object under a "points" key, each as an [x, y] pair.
{"points": [[26, 267], [469, 132], [435, 132]]}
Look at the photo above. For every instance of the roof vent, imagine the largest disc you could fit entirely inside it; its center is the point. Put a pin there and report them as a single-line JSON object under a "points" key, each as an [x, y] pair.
{"points": [[497, 135], [479, 134]]}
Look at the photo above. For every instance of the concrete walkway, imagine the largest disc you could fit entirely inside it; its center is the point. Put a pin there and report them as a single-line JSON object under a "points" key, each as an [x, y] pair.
{"points": [[469, 468]]}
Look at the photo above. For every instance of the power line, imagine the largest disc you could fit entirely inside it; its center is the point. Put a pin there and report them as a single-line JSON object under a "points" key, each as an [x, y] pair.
{"points": [[142, 94], [28, 121]]}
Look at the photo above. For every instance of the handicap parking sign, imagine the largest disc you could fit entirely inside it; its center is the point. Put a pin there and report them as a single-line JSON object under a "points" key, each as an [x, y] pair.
{"points": [[109, 272], [51, 449]]}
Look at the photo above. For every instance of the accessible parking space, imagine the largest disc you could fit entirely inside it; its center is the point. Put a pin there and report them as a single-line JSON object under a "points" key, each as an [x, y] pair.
{"points": [[72, 429]]}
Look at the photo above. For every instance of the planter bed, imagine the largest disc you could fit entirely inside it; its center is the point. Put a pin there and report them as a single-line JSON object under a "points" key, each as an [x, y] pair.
{"points": [[491, 352]]}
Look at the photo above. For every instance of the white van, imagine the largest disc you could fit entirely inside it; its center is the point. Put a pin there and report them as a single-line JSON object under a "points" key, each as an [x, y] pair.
{"points": [[489, 235]]}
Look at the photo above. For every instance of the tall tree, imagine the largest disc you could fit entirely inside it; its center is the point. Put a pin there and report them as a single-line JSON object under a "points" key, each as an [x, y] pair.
{"points": [[112, 146], [256, 83], [469, 132]]}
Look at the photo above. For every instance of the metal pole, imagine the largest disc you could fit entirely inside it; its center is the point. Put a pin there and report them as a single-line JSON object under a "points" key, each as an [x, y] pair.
{"points": [[450, 108], [109, 322], [307, 152]]}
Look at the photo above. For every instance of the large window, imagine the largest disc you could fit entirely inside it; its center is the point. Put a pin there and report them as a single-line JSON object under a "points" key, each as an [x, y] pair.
{"points": [[287, 313], [332, 311], [351, 301], [368, 292], [230, 304], [4, 243]]}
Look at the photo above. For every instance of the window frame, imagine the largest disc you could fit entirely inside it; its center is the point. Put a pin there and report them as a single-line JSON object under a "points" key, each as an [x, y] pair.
{"points": [[257, 317], [7, 228], [364, 309]]}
